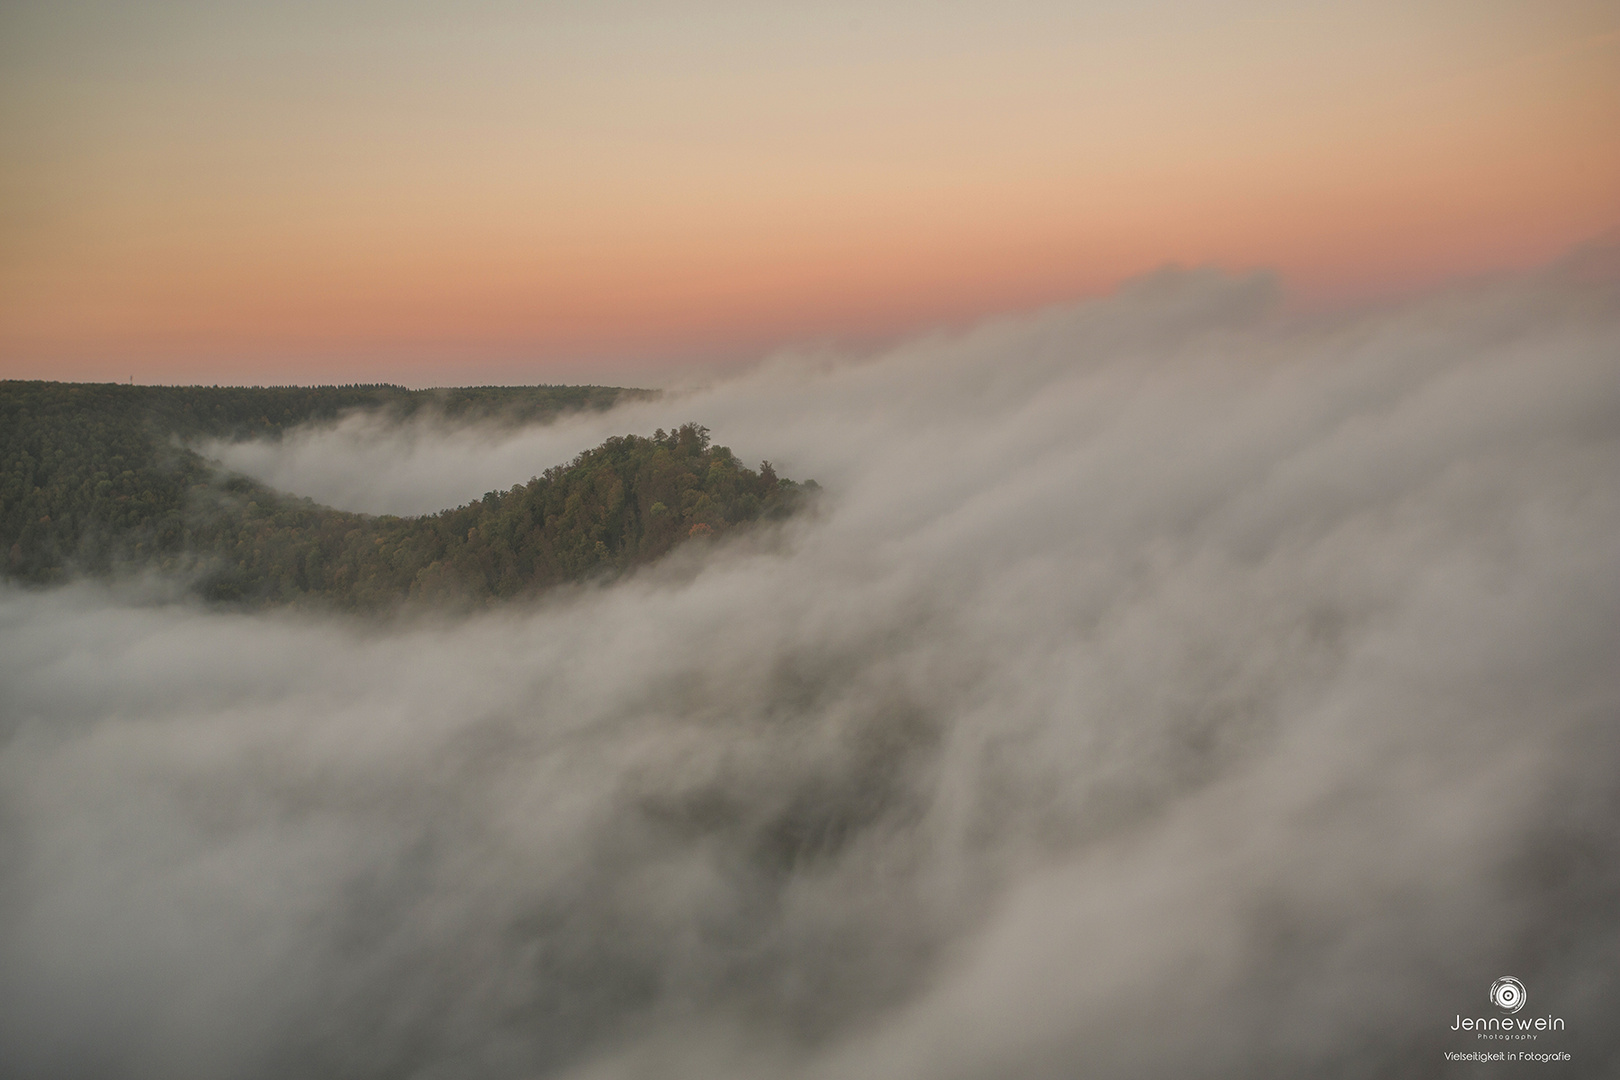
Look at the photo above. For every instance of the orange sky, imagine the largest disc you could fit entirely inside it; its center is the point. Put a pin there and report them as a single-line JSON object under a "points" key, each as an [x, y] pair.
{"points": [[440, 193]]}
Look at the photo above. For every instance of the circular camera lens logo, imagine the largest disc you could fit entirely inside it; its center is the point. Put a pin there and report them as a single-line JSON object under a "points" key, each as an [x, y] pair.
{"points": [[1508, 993]]}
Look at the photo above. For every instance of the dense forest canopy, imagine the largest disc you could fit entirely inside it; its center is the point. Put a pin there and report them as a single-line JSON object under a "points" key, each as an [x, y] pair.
{"points": [[99, 479]]}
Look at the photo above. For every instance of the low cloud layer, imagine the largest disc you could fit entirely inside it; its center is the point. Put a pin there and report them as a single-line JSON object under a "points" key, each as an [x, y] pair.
{"points": [[1164, 687]]}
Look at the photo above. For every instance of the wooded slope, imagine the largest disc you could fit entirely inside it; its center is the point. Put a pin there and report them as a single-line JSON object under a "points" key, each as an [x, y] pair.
{"points": [[96, 479]]}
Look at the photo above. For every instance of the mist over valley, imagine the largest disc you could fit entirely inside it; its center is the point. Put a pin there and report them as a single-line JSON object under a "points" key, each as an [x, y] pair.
{"points": [[1169, 684]]}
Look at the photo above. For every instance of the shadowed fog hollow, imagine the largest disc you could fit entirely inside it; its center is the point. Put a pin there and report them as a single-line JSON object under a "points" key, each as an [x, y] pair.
{"points": [[1163, 687]]}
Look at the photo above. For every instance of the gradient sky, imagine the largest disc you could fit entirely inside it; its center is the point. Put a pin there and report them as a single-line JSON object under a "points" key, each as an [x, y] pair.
{"points": [[440, 193]]}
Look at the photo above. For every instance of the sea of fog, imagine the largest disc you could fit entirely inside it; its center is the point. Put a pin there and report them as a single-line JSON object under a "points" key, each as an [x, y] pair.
{"points": [[1166, 686]]}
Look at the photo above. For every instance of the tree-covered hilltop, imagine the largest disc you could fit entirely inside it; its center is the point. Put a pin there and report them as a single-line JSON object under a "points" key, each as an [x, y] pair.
{"points": [[620, 505], [97, 473], [96, 479]]}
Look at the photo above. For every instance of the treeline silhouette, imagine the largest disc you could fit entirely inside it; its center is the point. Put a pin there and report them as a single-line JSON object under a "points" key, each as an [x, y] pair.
{"points": [[96, 479]]}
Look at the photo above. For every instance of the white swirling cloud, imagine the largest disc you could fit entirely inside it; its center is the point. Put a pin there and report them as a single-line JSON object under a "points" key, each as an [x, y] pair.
{"points": [[1165, 686]]}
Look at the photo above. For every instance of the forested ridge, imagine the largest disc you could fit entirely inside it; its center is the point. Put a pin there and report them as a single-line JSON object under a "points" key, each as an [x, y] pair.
{"points": [[97, 479]]}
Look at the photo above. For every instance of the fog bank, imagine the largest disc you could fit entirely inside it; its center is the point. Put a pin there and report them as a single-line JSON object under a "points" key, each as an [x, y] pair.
{"points": [[1164, 687]]}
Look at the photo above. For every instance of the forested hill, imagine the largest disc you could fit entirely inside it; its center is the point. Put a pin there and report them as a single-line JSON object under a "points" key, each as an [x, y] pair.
{"points": [[243, 412], [95, 478]]}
